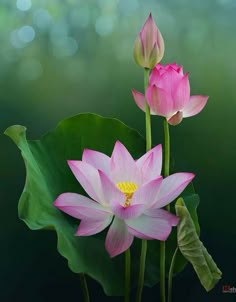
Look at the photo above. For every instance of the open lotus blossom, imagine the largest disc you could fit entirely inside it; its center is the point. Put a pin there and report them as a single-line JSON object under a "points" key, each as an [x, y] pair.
{"points": [[125, 193], [168, 94], [149, 45]]}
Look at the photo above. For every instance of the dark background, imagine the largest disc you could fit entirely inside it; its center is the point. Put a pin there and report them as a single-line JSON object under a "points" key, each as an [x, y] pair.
{"points": [[60, 58]]}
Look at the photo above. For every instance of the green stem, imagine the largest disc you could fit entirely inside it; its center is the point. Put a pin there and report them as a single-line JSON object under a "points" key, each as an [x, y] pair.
{"points": [[162, 270], [167, 153], [163, 244], [171, 275], [148, 147], [84, 287], [141, 271], [167, 149], [127, 275], [147, 114]]}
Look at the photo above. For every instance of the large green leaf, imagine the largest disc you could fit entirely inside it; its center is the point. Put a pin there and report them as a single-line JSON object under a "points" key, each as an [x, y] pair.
{"points": [[193, 249], [48, 176]]}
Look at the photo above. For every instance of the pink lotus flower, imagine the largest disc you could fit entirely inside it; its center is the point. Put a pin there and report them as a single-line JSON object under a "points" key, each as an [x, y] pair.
{"points": [[149, 45], [168, 94], [125, 193]]}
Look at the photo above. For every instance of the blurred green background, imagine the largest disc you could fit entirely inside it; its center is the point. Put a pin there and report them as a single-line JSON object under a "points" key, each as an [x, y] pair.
{"points": [[60, 58]]}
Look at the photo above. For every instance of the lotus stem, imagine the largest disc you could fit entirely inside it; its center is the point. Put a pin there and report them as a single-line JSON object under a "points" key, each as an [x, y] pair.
{"points": [[127, 275], [84, 286], [171, 275], [162, 243], [148, 147]]}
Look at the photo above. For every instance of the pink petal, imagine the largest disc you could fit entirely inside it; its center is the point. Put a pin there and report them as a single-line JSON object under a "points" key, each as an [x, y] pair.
{"points": [[154, 56], [146, 166], [169, 80], [139, 99], [97, 159], [88, 177], [122, 212], [111, 193], [180, 70], [150, 163], [90, 227], [123, 166], [160, 44], [118, 238], [174, 66], [139, 51], [159, 101], [181, 94], [81, 207], [172, 186], [162, 214], [146, 227], [155, 75], [176, 118], [117, 199], [149, 35], [195, 105], [162, 68], [147, 193]]}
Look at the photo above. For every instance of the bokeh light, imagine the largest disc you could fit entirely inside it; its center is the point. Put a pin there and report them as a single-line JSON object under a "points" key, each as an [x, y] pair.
{"points": [[23, 5], [104, 25], [42, 19], [26, 34]]}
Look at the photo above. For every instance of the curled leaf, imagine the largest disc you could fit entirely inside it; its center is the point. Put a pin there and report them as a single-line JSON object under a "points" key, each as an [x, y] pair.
{"points": [[193, 249]]}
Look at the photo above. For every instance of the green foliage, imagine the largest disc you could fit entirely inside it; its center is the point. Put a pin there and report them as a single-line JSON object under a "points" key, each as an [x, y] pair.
{"points": [[48, 175], [193, 249], [192, 201]]}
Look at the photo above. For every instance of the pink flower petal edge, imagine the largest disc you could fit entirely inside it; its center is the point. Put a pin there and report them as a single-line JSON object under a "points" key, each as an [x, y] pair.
{"points": [[172, 186], [148, 227], [111, 193], [159, 101], [80, 207], [123, 167], [151, 167], [90, 227], [88, 177], [172, 219], [182, 93], [98, 160], [195, 105], [139, 99], [118, 238], [147, 193], [124, 213]]}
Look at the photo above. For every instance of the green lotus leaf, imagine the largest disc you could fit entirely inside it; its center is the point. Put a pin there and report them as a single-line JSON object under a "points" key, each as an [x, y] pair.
{"points": [[193, 249], [192, 201], [48, 175]]}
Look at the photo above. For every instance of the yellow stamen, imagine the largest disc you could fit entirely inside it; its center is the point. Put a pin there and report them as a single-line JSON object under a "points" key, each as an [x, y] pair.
{"points": [[128, 188]]}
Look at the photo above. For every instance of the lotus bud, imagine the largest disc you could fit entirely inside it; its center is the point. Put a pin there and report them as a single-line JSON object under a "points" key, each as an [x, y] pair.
{"points": [[149, 45]]}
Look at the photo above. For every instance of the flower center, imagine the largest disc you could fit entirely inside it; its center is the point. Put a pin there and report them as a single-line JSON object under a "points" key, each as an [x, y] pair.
{"points": [[128, 188]]}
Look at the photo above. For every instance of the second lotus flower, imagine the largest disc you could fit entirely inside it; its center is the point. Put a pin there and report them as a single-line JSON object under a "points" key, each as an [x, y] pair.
{"points": [[168, 94], [125, 193]]}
